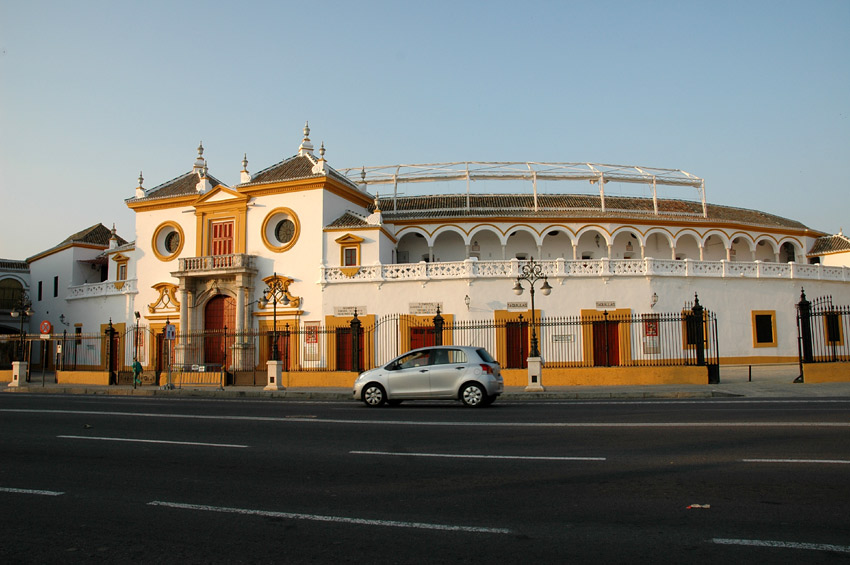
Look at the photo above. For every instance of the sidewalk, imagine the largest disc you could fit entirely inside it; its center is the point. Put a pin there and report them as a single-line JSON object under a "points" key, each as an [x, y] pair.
{"points": [[767, 382]]}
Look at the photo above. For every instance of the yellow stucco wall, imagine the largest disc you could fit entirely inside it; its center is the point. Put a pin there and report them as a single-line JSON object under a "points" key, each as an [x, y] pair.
{"points": [[826, 372], [610, 376], [6, 376], [82, 377]]}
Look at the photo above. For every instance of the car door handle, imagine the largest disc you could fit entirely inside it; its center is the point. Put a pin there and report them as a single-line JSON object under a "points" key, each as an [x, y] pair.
{"points": [[423, 370], [459, 368]]}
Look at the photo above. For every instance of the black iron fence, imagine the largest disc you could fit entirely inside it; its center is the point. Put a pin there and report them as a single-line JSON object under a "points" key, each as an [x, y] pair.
{"points": [[688, 337], [822, 329]]}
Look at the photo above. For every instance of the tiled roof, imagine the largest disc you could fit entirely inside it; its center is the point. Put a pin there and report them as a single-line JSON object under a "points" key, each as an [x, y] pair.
{"points": [[830, 244], [179, 186], [13, 265], [97, 234], [348, 220], [294, 168], [566, 205]]}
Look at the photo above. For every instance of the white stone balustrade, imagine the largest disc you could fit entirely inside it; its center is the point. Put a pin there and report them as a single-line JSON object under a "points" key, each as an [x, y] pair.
{"points": [[473, 269]]}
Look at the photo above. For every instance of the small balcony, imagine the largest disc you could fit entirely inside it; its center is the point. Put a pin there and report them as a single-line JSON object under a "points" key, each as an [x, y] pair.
{"points": [[101, 289], [216, 265]]}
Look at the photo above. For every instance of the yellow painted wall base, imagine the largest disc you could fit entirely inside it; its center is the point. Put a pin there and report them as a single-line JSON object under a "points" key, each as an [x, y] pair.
{"points": [[611, 376], [826, 372], [82, 377], [6, 376], [287, 379]]}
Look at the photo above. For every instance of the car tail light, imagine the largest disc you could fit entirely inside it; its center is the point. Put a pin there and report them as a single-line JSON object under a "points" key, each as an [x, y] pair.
{"points": [[487, 369]]}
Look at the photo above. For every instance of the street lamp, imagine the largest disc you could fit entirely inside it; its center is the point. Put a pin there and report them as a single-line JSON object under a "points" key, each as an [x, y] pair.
{"points": [[532, 272], [22, 308], [275, 291]]}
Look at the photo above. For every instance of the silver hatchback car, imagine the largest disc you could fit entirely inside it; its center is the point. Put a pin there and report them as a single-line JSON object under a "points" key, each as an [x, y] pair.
{"points": [[464, 373]]}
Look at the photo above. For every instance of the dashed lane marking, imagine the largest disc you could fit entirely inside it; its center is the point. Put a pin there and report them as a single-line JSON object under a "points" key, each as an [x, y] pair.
{"points": [[31, 491], [468, 456], [138, 440], [783, 544], [335, 519], [815, 461]]}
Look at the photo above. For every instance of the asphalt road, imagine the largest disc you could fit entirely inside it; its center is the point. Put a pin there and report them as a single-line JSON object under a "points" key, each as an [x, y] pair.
{"points": [[110, 479]]}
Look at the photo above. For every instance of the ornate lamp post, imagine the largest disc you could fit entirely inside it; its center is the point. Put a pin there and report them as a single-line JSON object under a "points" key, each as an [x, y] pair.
{"points": [[532, 272], [22, 308], [275, 291]]}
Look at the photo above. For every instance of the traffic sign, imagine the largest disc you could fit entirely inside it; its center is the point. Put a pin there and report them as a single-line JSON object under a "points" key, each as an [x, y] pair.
{"points": [[45, 327]]}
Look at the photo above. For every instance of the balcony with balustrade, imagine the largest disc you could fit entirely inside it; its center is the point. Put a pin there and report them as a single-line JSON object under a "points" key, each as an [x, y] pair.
{"points": [[471, 269]]}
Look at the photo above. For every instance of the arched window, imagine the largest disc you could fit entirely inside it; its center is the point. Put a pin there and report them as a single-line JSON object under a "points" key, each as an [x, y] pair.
{"points": [[10, 293]]}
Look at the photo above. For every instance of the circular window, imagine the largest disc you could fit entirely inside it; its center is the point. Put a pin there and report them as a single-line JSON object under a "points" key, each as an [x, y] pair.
{"points": [[285, 231], [280, 229], [167, 241], [172, 242]]}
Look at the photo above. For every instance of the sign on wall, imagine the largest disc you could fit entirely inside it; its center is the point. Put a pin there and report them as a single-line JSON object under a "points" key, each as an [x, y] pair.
{"points": [[425, 308]]}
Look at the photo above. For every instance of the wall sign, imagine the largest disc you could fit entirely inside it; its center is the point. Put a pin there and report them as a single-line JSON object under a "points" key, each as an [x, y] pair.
{"points": [[425, 308]]}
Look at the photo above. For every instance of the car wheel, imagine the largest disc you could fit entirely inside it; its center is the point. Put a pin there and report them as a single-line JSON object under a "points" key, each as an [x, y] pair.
{"points": [[394, 402], [374, 395], [472, 395]]}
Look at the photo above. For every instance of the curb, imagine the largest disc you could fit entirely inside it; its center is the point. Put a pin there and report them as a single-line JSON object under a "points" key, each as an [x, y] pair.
{"points": [[337, 395]]}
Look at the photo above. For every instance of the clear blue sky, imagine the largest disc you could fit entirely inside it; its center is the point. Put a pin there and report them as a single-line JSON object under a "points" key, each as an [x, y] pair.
{"points": [[754, 97]]}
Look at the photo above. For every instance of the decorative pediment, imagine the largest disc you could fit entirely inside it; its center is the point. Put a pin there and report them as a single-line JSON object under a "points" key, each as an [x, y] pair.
{"points": [[167, 302], [120, 258], [349, 239], [221, 195]]}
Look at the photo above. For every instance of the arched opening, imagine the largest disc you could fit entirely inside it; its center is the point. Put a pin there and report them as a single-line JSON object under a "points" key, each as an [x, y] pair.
{"points": [[687, 247], [626, 246], [658, 246], [521, 245], [412, 248], [787, 253], [714, 249], [449, 246], [557, 244], [486, 246]]}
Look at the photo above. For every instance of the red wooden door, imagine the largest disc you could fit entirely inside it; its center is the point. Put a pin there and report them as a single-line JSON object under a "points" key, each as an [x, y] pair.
{"points": [[606, 344], [516, 336], [220, 313], [421, 337]]}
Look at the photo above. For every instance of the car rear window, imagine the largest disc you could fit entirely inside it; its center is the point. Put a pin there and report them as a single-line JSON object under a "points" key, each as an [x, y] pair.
{"points": [[485, 356]]}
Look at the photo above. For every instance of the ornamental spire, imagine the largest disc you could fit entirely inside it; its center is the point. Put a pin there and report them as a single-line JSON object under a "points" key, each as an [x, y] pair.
{"points": [[306, 147], [199, 161], [244, 175], [140, 191]]}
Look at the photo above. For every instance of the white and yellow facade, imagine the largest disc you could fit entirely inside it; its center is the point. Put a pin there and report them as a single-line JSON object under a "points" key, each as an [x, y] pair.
{"points": [[204, 253]]}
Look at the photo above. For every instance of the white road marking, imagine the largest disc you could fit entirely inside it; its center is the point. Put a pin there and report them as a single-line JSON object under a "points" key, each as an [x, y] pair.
{"points": [[464, 456], [348, 422], [31, 491], [336, 519], [136, 440], [825, 461], [783, 544]]}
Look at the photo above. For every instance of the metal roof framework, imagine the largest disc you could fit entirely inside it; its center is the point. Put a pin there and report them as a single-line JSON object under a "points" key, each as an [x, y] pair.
{"points": [[468, 171]]}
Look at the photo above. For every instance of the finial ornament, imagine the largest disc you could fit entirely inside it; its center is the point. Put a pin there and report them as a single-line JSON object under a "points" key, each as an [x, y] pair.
{"points": [[307, 131], [245, 162], [141, 179], [322, 150], [201, 149]]}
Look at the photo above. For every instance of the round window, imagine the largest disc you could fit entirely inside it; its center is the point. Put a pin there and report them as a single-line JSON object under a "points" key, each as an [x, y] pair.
{"points": [[172, 242], [285, 231], [280, 229]]}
